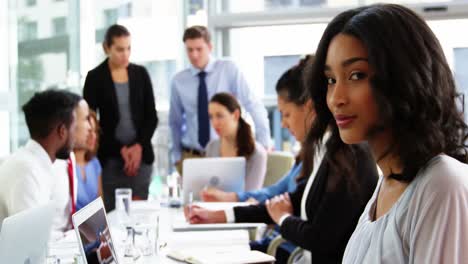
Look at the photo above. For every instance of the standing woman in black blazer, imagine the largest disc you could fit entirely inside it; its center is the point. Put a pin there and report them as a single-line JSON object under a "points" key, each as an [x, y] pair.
{"points": [[122, 95]]}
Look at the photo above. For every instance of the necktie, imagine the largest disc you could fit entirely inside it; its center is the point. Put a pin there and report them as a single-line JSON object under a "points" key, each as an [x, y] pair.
{"points": [[70, 185], [203, 119]]}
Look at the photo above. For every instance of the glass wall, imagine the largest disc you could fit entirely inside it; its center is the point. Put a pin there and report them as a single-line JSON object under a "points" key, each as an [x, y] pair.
{"points": [[264, 52], [54, 43], [240, 6], [44, 56]]}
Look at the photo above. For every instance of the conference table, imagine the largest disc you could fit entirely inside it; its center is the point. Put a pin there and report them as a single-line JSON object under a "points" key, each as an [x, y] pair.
{"points": [[165, 218]]}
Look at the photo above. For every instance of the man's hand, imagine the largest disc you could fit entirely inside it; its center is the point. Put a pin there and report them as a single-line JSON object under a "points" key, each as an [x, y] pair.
{"points": [[278, 206]]}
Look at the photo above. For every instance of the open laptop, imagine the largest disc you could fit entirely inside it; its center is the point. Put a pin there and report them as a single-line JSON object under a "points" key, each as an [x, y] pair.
{"points": [[227, 174], [24, 236], [93, 234]]}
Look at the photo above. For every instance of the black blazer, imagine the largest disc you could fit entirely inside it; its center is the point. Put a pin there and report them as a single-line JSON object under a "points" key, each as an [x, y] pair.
{"points": [[332, 215], [99, 92]]}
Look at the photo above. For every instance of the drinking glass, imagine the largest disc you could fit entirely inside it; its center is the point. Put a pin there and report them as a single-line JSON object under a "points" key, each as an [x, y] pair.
{"points": [[123, 199]]}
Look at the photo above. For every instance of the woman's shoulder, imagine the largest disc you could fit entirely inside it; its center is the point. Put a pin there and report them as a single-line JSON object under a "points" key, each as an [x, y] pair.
{"points": [[95, 164], [212, 148], [443, 175], [99, 68], [136, 67]]}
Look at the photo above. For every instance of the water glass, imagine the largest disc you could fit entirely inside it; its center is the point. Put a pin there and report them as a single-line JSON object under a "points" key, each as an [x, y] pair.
{"points": [[63, 252], [146, 230], [123, 199]]}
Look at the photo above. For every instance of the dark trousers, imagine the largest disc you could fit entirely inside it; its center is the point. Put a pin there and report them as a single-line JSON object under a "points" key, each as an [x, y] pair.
{"points": [[113, 177]]}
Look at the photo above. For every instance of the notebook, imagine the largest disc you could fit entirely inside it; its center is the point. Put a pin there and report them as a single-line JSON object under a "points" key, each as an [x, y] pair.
{"points": [[215, 247]]}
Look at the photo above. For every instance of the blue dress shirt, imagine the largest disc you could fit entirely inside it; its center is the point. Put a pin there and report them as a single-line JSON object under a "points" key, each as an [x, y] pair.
{"points": [[285, 184], [222, 76]]}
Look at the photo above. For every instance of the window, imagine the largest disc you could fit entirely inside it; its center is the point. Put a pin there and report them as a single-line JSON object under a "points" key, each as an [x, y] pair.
{"points": [[59, 26], [27, 30], [110, 17], [31, 2], [4, 134], [46, 54], [44, 57], [113, 14], [261, 48], [260, 51], [274, 67]]}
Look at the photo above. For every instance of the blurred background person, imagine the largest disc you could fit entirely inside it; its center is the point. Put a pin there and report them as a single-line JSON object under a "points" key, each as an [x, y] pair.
{"points": [[236, 139], [122, 95], [191, 90], [296, 116], [88, 167]]}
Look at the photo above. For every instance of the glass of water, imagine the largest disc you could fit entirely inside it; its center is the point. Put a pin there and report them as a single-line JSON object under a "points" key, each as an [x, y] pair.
{"points": [[146, 230], [123, 200]]}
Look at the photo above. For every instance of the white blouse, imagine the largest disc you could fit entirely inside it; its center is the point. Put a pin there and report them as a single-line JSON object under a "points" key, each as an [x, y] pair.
{"points": [[428, 223]]}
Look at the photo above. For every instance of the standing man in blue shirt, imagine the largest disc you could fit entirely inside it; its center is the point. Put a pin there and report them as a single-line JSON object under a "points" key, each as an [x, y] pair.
{"points": [[191, 90]]}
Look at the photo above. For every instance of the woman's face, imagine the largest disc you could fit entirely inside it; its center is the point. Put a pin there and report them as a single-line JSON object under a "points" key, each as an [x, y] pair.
{"points": [[349, 93], [296, 118], [119, 51], [92, 138], [224, 122]]}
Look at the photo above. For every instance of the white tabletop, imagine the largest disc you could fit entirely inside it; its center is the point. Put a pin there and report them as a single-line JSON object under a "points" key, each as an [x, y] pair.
{"points": [[167, 216]]}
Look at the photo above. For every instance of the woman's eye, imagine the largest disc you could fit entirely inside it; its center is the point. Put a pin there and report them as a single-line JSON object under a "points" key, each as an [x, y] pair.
{"points": [[330, 80], [357, 76]]}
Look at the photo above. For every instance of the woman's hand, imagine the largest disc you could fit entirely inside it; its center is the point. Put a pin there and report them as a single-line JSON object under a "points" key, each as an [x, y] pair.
{"points": [[132, 159], [216, 195], [278, 206], [197, 215]]}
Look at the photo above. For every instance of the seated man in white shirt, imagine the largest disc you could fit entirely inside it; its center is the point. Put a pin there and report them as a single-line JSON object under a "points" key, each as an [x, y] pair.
{"points": [[62, 194], [27, 176]]}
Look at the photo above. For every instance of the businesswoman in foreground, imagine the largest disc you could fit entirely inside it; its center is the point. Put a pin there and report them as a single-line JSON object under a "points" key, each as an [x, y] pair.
{"points": [[122, 95], [381, 77]]}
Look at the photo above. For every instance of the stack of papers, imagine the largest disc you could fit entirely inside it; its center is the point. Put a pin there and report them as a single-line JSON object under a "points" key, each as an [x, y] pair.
{"points": [[214, 247]]}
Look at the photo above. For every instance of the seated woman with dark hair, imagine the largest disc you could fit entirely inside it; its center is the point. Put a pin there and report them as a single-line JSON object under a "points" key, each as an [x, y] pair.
{"points": [[88, 167], [381, 77], [235, 139], [297, 118], [336, 182]]}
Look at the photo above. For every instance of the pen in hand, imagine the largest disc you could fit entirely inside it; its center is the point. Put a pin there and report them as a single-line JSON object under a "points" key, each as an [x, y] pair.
{"points": [[190, 202]]}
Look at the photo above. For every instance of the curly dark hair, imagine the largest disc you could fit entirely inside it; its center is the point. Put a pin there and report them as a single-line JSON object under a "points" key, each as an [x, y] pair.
{"points": [[49, 109], [244, 139], [412, 85]]}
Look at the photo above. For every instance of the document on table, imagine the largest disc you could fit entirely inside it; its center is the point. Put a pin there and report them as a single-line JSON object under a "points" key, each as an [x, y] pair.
{"points": [[214, 247]]}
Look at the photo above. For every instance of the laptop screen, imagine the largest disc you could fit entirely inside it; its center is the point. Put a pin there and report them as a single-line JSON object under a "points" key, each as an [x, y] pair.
{"points": [[96, 239]]}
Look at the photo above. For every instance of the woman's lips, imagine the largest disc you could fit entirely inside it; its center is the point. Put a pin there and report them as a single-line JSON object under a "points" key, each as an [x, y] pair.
{"points": [[344, 121]]}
